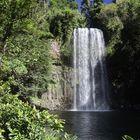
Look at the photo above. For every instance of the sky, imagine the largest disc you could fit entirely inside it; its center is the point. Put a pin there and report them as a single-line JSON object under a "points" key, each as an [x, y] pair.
{"points": [[79, 1], [106, 1]]}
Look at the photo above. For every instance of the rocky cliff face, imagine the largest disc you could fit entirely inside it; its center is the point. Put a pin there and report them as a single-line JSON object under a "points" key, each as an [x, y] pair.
{"points": [[59, 95]]}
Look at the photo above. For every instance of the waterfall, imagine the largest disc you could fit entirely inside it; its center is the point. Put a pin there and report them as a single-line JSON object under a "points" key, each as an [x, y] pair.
{"points": [[90, 76]]}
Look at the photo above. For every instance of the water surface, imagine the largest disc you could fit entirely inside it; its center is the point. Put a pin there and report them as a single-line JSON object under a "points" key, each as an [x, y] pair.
{"points": [[102, 125]]}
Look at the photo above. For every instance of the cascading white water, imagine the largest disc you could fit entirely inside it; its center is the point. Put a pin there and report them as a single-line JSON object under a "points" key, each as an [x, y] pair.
{"points": [[90, 77]]}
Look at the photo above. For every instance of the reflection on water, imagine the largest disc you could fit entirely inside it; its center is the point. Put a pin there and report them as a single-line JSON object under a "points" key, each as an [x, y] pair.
{"points": [[102, 125]]}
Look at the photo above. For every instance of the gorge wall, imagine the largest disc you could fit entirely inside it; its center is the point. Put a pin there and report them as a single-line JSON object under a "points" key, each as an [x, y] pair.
{"points": [[59, 94]]}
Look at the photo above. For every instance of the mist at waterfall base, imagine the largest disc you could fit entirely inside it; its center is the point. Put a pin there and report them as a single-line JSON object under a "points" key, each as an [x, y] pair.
{"points": [[90, 75]]}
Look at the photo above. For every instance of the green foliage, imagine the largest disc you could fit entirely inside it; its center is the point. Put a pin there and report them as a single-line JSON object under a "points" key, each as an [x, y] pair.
{"points": [[126, 137], [91, 11], [18, 120], [63, 17], [27, 29], [13, 12], [121, 25], [25, 49]]}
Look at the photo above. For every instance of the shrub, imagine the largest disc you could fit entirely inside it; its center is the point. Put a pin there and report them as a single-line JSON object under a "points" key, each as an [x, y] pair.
{"points": [[19, 121]]}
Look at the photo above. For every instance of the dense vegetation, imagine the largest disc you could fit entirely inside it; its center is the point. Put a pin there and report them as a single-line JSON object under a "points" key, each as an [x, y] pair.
{"points": [[27, 29], [120, 22], [19, 121]]}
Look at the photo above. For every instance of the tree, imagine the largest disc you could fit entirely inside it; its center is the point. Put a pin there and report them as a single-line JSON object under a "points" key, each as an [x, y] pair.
{"points": [[120, 25], [91, 12], [26, 31]]}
